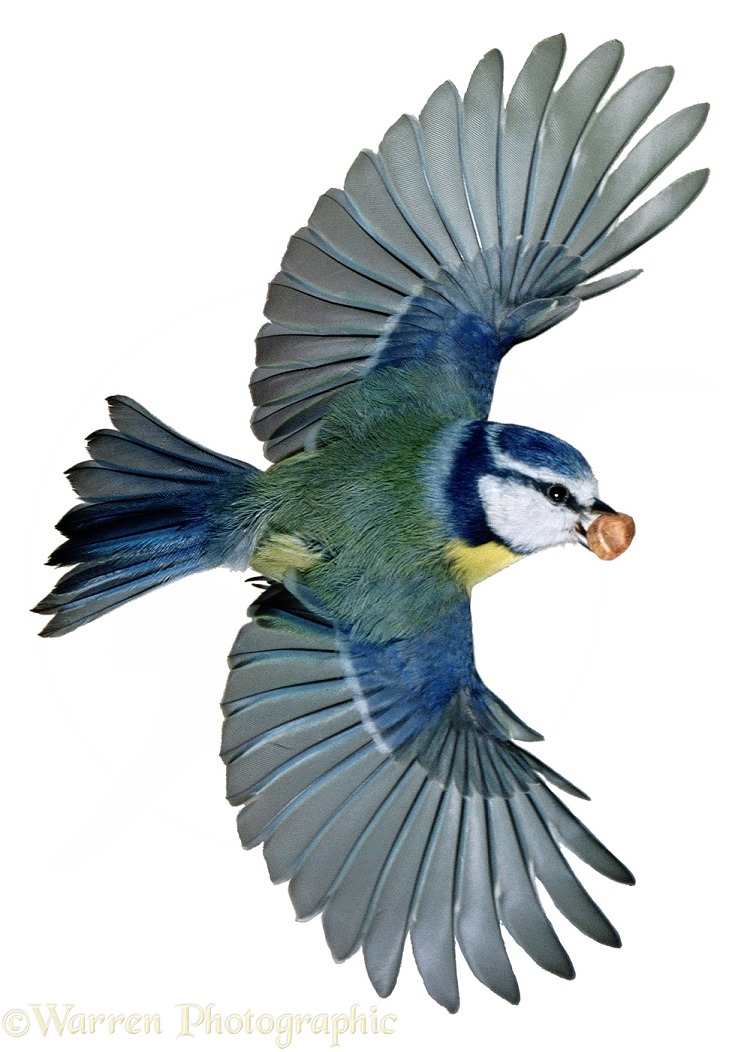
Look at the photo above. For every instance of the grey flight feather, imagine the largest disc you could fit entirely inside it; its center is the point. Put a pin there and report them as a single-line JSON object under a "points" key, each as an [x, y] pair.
{"points": [[443, 839], [485, 207]]}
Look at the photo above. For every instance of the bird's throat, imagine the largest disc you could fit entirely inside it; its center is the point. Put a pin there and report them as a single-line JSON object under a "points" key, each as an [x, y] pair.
{"points": [[471, 564]]}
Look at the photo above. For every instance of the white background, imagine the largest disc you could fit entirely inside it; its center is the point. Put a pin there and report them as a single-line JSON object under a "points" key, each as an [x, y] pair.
{"points": [[157, 157]]}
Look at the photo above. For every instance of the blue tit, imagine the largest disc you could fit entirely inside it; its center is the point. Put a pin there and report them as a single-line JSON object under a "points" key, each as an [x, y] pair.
{"points": [[386, 781]]}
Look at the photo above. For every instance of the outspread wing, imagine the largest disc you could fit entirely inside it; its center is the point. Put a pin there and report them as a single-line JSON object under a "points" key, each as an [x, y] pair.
{"points": [[387, 786], [474, 227]]}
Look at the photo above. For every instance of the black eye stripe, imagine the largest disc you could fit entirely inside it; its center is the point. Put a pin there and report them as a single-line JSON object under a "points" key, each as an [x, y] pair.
{"points": [[509, 474]]}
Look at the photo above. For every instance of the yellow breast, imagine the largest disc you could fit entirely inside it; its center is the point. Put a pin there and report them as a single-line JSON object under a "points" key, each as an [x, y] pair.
{"points": [[472, 564]]}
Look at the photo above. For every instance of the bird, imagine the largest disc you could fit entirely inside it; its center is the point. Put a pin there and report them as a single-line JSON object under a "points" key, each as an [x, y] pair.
{"points": [[389, 785]]}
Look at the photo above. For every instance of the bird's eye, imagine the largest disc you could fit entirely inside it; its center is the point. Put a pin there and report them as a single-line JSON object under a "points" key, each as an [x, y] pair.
{"points": [[557, 494]]}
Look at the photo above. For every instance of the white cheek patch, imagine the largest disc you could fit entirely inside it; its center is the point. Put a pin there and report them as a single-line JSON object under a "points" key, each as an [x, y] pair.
{"points": [[523, 517]]}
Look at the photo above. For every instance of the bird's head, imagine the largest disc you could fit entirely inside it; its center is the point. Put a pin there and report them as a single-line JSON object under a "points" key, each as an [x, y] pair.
{"points": [[523, 490]]}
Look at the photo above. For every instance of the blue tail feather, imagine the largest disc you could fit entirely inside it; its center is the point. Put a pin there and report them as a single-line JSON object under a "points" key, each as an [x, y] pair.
{"points": [[157, 507]]}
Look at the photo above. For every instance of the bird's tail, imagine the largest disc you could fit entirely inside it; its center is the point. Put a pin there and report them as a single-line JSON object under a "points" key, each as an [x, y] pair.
{"points": [[156, 507]]}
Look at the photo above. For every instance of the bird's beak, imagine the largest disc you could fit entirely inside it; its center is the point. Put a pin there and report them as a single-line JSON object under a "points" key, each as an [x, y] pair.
{"points": [[604, 531]]}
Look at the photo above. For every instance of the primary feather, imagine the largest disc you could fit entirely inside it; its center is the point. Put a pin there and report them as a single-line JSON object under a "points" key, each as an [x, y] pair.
{"points": [[381, 774]]}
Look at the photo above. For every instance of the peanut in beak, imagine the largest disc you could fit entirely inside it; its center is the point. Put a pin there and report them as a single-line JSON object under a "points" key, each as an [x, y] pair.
{"points": [[610, 535]]}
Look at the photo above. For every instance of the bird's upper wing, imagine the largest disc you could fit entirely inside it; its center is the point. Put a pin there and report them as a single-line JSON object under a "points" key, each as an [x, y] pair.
{"points": [[474, 227], [385, 784]]}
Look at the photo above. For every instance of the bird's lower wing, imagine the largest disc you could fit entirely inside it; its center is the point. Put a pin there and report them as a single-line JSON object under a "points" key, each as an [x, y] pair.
{"points": [[386, 787]]}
